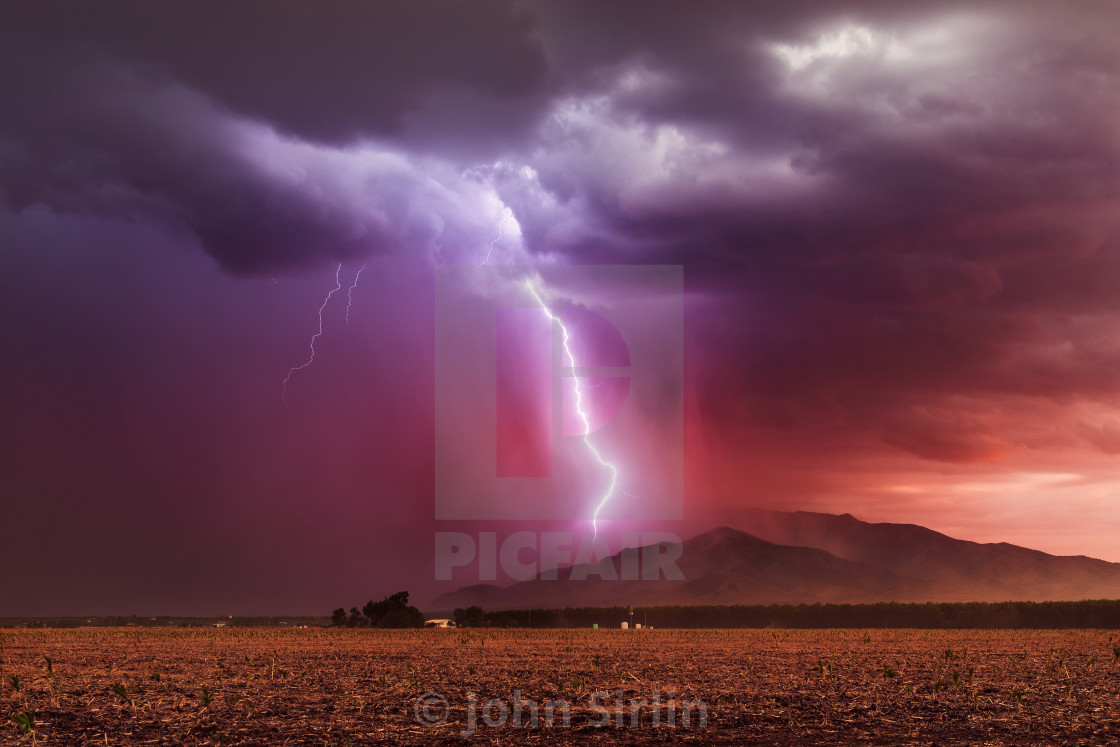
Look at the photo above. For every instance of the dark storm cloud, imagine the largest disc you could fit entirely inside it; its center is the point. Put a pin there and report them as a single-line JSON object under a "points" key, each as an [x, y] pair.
{"points": [[890, 195], [328, 70], [886, 191], [88, 136], [864, 132], [238, 124]]}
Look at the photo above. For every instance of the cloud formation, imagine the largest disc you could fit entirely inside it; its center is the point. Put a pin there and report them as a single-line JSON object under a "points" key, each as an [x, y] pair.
{"points": [[894, 189]]}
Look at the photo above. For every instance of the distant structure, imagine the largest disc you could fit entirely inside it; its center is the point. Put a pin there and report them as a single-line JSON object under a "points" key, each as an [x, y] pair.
{"points": [[439, 622]]}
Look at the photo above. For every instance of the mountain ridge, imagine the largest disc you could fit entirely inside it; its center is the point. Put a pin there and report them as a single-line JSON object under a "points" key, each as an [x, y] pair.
{"points": [[778, 557]]}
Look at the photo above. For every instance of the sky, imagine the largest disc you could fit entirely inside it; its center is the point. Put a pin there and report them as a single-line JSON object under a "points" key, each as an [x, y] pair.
{"points": [[896, 225]]}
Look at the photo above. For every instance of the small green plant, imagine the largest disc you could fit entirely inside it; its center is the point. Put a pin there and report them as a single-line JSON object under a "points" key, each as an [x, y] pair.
{"points": [[16, 684], [154, 676], [1116, 653], [598, 662], [1018, 693], [122, 693], [50, 668], [25, 722], [889, 671], [207, 697], [956, 680]]}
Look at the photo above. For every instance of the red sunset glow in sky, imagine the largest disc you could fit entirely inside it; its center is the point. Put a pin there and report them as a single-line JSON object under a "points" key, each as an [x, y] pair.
{"points": [[897, 227]]}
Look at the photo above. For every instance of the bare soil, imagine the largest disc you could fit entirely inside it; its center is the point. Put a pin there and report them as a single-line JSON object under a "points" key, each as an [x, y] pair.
{"points": [[340, 687]]}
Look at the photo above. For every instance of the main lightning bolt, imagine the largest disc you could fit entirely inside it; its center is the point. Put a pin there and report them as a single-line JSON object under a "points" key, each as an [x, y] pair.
{"points": [[582, 414], [316, 336], [350, 293]]}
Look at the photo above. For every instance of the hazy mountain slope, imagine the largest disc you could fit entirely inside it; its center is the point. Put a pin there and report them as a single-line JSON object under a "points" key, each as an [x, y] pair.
{"points": [[794, 557], [956, 569], [722, 566]]}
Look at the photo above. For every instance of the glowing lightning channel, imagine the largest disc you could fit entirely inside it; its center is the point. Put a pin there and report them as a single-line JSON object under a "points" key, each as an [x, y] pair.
{"points": [[350, 292], [314, 337], [628, 494], [582, 415], [495, 241]]}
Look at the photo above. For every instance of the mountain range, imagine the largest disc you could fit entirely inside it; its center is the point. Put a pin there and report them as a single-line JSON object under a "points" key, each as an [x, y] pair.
{"points": [[778, 557]]}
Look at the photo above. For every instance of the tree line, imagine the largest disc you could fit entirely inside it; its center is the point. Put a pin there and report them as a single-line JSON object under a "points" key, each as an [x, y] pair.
{"points": [[393, 611], [1097, 613]]}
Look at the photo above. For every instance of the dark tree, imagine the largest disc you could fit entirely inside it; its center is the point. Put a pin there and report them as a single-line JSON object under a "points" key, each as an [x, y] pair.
{"points": [[471, 617], [505, 620], [393, 611], [338, 617], [357, 620]]}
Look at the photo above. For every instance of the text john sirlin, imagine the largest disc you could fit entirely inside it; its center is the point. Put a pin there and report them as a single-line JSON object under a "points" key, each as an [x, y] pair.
{"points": [[607, 710]]}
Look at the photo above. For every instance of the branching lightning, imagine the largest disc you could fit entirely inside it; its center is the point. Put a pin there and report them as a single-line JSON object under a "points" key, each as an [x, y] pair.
{"points": [[495, 241], [317, 335], [582, 415], [636, 498], [350, 292]]}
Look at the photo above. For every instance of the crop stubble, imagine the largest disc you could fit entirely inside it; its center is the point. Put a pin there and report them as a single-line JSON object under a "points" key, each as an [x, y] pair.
{"points": [[332, 686]]}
